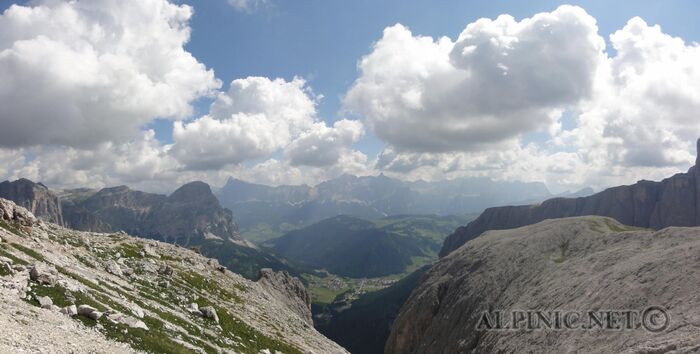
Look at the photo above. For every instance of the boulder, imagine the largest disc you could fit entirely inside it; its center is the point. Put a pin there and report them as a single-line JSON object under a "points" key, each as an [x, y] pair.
{"points": [[193, 308], [209, 312], [45, 302], [129, 321], [43, 274], [113, 268], [89, 312], [69, 310]]}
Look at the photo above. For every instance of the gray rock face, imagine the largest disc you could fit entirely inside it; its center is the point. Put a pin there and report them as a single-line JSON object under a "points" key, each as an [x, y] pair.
{"points": [[108, 210], [289, 290], [35, 197], [572, 264], [675, 201]]}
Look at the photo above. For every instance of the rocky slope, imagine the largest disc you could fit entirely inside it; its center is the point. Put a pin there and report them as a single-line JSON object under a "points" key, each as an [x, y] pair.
{"points": [[675, 201], [71, 291], [36, 197], [574, 264]]}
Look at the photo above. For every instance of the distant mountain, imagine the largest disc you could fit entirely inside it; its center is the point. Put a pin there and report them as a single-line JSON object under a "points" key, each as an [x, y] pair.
{"points": [[675, 201], [35, 197], [109, 209], [359, 248], [364, 327], [265, 212], [188, 217]]}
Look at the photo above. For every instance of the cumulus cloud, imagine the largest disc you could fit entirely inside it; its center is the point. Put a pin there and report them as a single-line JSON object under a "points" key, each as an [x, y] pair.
{"points": [[501, 78], [258, 117], [645, 113], [323, 145], [79, 73]]}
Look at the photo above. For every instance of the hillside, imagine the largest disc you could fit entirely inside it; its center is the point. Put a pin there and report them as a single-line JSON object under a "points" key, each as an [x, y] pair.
{"points": [[580, 264], [350, 247], [100, 292], [675, 201], [358, 248]]}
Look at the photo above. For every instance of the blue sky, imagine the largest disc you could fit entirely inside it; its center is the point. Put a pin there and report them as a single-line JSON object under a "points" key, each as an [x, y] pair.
{"points": [[559, 106], [323, 40]]}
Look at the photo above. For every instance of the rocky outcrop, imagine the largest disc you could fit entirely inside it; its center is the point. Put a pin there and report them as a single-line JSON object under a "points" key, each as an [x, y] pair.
{"points": [[289, 290], [15, 215], [675, 201], [62, 279], [578, 264], [35, 197]]}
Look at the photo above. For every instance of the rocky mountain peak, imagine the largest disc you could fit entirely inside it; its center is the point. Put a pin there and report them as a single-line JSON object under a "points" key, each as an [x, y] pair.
{"points": [[193, 191]]}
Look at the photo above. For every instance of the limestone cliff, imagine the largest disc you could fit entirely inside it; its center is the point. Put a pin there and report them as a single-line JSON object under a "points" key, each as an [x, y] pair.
{"points": [[35, 197], [675, 201], [581, 264]]}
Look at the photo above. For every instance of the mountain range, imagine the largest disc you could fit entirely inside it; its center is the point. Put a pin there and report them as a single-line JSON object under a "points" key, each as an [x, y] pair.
{"points": [[264, 212]]}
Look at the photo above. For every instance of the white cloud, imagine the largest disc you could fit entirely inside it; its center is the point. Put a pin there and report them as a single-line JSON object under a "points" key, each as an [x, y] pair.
{"points": [[501, 78], [247, 6], [80, 73], [645, 112], [256, 118], [323, 145]]}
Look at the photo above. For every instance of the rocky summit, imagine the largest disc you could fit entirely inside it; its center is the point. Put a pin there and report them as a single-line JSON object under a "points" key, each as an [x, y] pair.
{"points": [[675, 201], [577, 264], [80, 292]]}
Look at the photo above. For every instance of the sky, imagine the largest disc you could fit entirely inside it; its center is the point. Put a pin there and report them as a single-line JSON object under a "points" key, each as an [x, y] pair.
{"points": [[153, 94]]}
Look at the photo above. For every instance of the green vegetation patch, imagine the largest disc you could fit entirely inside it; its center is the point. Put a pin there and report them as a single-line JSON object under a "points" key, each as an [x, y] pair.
{"points": [[15, 260], [210, 286], [11, 228], [127, 250], [28, 251]]}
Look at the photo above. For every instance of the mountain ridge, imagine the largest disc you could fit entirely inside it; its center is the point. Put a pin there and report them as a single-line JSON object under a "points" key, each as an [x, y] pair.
{"points": [[674, 201]]}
